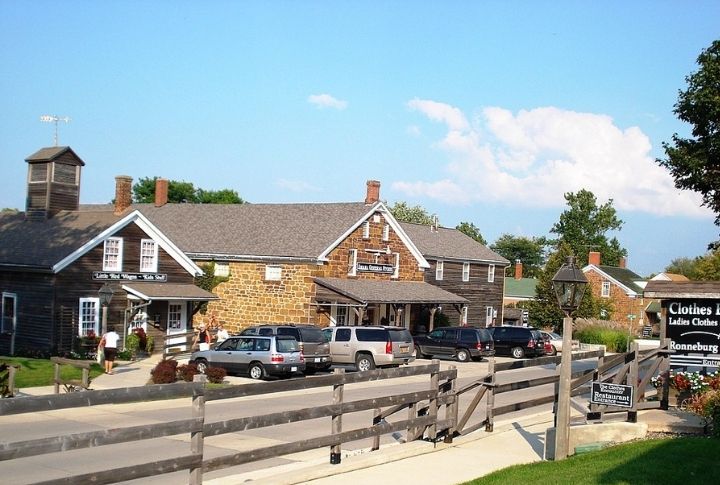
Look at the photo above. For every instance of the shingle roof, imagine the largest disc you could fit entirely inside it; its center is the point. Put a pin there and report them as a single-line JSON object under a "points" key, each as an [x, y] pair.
{"points": [[683, 289], [49, 153], [384, 291], [448, 243], [624, 276], [169, 291]]}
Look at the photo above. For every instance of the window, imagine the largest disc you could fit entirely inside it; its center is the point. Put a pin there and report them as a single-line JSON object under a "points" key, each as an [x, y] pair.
{"points": [[38, 172], [439, 268], [366, 230], [342, 335], [352, 262], [386, 232], [466, 272], [9, 313], [488, 316], [89, 316], [396, 273], [64, 173], [222, 270], [148, 256], [463, 315], [112, 254], [491, 273], [175, 316], [273, 272], [605, 292], [341, 316]]}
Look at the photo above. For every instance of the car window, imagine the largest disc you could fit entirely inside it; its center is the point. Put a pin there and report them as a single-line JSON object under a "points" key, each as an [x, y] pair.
{"points": [[536, 335], [293, 332], [468, 335], [311, 335], [262, 344], [375, 335], [265, 331], [436, 334], [229, 344], [327, 334], [250, 331], [342, 335], [400, 335], [287, 345], [246, 344], [484, 334]]}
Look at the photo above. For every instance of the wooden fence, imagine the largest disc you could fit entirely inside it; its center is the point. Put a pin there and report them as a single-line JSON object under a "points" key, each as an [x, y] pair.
{"points": [[420, 421]]}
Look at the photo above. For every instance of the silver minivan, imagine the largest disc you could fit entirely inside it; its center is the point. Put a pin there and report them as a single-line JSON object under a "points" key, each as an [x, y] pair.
{"points": [[370, 346], [255, 356]]}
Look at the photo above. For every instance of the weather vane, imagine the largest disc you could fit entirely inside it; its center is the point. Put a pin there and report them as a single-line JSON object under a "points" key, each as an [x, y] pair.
{"points": [[54, 119]]}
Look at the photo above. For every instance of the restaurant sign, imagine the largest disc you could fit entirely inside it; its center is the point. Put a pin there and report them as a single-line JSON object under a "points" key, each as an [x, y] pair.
{"points": [[376, 268], [611, 394], [693, 326], [107, 276]]}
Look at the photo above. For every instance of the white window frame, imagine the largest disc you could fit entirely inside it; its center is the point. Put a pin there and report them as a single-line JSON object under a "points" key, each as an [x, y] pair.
{"points": [[396, 273], [150, 258], [8, 322], [340, 315], [366, 230], [605, 289], [176, 317], [352, 262], [273, 272], [386, 232], [464, 315], [107, 255], [491, 273], [222, 270], [466, 271], [489, 312], [89, 319], [439, 270]]}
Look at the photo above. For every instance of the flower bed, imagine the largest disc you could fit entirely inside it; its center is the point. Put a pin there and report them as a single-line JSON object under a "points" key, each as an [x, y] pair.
{"points": [[696, 392]]}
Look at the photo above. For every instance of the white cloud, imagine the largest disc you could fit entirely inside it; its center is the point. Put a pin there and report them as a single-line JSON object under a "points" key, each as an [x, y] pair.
{"points": [[296, 185], [413, 130], [326, 101], [534, 157]]}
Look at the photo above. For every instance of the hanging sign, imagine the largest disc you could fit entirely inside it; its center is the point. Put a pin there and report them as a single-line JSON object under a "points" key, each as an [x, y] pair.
{"points": [[107, 276]]}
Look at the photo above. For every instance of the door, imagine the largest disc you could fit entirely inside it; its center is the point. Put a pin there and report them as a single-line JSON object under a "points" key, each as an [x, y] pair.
{"points": [[503, 340], [224, 354], [448, 342], [433, 342], [177, 324], [340, 346]]}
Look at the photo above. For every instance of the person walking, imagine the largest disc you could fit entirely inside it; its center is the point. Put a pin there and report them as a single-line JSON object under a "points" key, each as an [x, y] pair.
{"points": [[109, 343], [202, 338]]}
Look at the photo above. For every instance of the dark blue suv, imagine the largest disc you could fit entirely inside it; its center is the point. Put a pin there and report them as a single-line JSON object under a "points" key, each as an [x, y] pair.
{"points": [[461, 343]]}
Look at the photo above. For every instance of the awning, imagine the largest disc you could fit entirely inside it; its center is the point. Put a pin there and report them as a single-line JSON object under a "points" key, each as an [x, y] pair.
{"points": [[168, 291], [374, 291], [653, 307]]}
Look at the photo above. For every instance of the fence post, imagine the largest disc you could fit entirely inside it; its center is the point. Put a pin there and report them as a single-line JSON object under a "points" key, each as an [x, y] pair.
{"points": [[594, 413], [632, 379], [491, 396], [11, 379], [196, 437], [57, 378], [335, 450], [433, 405], [376, 420], [664, 371], [451, 409]]}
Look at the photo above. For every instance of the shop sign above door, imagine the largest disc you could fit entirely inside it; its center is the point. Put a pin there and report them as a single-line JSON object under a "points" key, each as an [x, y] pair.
{"points": [[107, 276], [376, 268]]}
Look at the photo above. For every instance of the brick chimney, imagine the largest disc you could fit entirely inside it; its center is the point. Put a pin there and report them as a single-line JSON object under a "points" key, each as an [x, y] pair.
{"points": [[161, 192], [123, 193], [594, 258], [518, 269], [622, 263], [373, 192]]}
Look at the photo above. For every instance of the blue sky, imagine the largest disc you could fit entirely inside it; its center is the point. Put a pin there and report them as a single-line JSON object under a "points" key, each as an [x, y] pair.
{"points": [[485, 112]]}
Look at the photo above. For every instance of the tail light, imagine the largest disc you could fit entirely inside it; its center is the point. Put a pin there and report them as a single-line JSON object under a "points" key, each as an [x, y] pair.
{"points": [[277, 358], [302, 357], [478, 345], [531, 344], [301, 346], [388, 347]]}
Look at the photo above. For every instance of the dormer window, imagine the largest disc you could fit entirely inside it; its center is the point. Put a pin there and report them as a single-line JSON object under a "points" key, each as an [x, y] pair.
{"points": [[112, 254], [148, 256]]}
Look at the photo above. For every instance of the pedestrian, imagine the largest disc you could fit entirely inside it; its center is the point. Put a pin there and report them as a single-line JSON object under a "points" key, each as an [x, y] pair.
{"points": [[109, 343], [222, 334], [202, 338]]}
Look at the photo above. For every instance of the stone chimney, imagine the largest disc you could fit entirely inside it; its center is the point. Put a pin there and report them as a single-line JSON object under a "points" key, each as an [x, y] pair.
{"points": [[518, 269], [594, 258], [161, 192], [622, 263], [123, 193], [373, 192]]}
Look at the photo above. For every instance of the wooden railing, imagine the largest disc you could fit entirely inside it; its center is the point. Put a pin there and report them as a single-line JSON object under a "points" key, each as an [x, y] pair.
{"points": [[71, 384]]}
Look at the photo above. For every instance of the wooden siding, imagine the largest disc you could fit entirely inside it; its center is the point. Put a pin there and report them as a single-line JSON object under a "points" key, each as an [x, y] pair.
{"points": [[34, 326]]}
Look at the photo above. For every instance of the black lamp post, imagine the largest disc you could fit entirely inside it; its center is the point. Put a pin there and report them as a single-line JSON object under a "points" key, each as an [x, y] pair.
{"points": [[569, 285], [105, 293]]}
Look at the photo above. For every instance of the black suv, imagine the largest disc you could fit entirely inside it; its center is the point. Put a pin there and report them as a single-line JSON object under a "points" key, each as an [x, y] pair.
{"points": [[518, 341], [312, 342], [462, 343]]}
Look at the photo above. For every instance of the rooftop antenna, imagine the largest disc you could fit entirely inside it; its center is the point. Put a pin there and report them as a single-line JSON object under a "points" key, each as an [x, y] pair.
{"points": [[54, 119]]}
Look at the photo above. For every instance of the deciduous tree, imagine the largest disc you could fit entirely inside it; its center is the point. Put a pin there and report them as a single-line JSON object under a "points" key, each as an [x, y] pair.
{"points": [[181, 191], [529, 251], [469, 229], [415, 214]]}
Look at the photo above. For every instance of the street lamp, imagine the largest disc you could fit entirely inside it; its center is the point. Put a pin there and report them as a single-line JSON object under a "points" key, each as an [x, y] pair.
{"points": [[569, 286], [105, 293]]}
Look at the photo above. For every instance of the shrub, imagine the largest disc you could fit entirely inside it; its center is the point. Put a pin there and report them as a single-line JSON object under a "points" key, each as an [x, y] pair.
{"points": [[613, 339], [132, 343], [142, 338], [707, 404], [187, 372], [216, 375], [125, 354], [165, 372], [150, 344]]}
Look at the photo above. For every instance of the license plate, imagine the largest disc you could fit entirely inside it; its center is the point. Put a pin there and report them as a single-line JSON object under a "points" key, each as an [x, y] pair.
{"points": [[293, 369], [318, 359], [404, 349]]}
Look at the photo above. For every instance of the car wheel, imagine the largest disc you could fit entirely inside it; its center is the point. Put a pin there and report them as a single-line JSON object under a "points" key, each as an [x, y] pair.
{"points": [[364, 362], [419, 354], [256, 371], [462, 355], [517, 352], [202, 365], [553, 351]]}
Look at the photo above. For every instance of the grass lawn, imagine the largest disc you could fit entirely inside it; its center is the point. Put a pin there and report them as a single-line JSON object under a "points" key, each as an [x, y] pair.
{"points": [[692, 460], [40, 372]]}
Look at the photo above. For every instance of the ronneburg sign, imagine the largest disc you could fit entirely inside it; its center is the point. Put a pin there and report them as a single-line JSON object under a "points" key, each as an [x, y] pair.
{"points": [[693, 326]]}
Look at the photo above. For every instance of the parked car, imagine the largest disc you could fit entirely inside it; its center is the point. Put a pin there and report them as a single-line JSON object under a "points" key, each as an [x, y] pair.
{"points": [[312, 342], [518, 342], [370, 346], [461, 343], [255, 356], [556, 342]]}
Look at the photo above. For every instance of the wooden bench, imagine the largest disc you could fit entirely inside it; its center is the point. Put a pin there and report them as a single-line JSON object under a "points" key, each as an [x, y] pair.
{"points": [[71, 385]]}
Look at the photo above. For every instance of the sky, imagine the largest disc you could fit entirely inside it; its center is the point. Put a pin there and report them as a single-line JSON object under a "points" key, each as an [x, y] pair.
{"points": [[478, 111]]}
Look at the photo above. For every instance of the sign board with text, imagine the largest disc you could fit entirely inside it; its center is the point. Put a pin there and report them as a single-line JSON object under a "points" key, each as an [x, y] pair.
{"points": [[108, 276], [693, 326], [611, 394]]}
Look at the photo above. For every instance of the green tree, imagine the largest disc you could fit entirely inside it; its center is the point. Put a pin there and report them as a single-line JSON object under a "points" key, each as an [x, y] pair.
{"points": [[707, 268], [416, 214], [584, 225], [683, 266], [469, 229], [181, 191], [529, 251], [693, 162]]}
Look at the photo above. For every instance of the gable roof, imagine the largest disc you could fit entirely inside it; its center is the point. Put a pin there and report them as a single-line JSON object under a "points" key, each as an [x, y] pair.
{"points": [[670, 277], [450, 244], [520, 288], [50, 153], [622, 277]]}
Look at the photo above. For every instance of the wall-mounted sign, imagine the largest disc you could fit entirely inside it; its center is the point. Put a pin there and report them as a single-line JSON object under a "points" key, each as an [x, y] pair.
{"points": [[693, 326], [107, 276], [376, 268], [611, 394]]}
